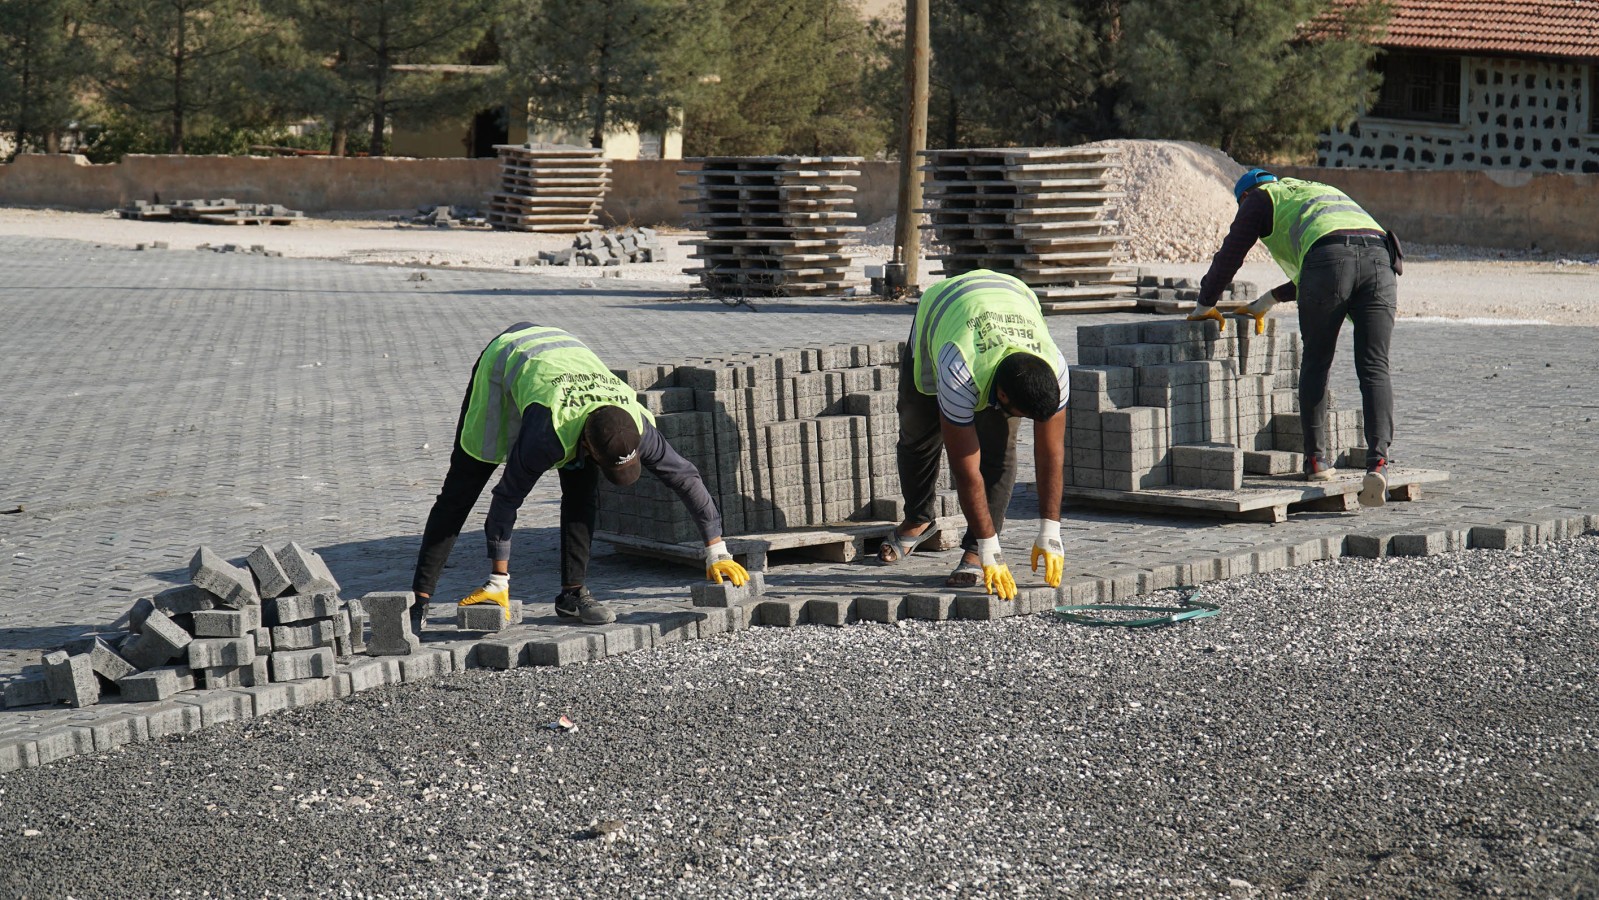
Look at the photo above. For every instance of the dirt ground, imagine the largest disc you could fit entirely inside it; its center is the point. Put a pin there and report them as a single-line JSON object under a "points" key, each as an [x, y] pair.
{"points": [[1457, 283]]}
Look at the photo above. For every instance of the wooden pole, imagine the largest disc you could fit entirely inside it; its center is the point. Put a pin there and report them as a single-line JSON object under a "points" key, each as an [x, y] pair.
{"points": [[907, 241]]}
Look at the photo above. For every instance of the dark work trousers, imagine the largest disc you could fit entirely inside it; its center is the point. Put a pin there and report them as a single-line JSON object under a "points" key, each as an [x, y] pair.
{"points": [[1357, 281], [464, 484], [920, 453]]}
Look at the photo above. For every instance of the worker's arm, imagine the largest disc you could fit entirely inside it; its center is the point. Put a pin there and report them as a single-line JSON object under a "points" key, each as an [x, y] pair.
{"points": [[965, 457], [677, 473], [1049, 458], [536, 450], [1252, 223]]}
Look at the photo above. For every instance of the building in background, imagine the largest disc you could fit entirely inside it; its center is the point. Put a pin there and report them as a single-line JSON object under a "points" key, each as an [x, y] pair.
{"points": [[1481, 84]]}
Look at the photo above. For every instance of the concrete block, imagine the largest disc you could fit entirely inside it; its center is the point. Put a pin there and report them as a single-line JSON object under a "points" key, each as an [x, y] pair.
{"points": [[166, 719], [621, 638], [834, 611], [300, 607], [1428, 543], [160, 640], [295, 665], [666, 627], [219, 706], [263, 641], [784, 613], [105, 662], [887, 609], [1079, 589], [221, 677], [211, 653], [267, 698], [270, 578], [232, 586], [487, 616], [156, 684], [305, 692], [712, 621], [220, 623], [1499, 537], [366, 674], [983, 607], [1273, 462], [30, 690], [724, 595], [183, 600], [502, 653], [427, 663], [389, 615], [306, 571], [565, 649], [931, 607], [71, 678], [1367, 546]]}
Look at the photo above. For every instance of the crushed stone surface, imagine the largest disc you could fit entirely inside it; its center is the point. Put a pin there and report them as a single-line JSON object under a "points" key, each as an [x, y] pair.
{"points": [[1402, 727]]}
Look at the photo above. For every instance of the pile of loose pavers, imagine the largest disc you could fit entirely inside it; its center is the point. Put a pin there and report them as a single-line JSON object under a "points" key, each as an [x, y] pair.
{"points": [[793, 438], [604, 248]]}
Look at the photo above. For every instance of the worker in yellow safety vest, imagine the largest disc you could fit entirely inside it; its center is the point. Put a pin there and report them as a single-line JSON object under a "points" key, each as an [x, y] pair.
{"points": [[980, 360], [539, 399], [1341, 264]]}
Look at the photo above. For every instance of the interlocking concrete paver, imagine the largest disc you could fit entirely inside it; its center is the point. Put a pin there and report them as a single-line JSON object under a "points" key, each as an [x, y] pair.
{"points": [[238, 401]]}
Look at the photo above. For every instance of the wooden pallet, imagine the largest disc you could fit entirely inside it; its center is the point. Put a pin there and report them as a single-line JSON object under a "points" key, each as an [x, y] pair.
{"points": [[755, 552], [1262, 498]]}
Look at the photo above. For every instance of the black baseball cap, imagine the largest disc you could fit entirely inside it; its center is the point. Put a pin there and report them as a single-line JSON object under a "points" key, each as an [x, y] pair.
{"points": [[614, 440]]}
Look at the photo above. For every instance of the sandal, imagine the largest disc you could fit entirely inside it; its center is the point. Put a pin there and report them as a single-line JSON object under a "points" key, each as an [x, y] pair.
{"points": [[966, 575], [902, 545]]}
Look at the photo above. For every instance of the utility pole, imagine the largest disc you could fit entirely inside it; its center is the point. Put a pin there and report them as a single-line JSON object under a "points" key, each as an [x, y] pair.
{"points": [[907, 240]]}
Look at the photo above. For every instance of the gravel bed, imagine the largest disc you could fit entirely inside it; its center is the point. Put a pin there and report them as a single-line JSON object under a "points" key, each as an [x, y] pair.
{"points": [[1373, 728]]}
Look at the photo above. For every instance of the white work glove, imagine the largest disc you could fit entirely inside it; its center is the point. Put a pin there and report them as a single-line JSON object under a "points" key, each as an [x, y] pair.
{"points": [[1049, 547], [997, 579], [719, 563], [1258, 310]]}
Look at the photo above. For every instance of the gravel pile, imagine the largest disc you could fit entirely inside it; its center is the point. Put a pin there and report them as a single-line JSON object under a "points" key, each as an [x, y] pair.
{"points": [[1392, 728]]}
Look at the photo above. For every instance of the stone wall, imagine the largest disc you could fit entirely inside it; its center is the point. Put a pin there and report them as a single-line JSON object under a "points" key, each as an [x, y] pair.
{"points": [[1515, 114]]}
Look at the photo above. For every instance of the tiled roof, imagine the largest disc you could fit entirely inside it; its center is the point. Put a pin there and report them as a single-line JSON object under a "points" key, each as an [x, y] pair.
{"points": [[1560, 28]]}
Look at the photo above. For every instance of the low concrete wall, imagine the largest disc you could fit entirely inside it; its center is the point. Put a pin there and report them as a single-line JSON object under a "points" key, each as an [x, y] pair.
{"points": [[1515, 209]]}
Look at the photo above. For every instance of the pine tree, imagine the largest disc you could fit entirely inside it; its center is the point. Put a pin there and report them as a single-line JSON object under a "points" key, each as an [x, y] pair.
{"points": [[1247, 76], [38, 69], [369, 59]]}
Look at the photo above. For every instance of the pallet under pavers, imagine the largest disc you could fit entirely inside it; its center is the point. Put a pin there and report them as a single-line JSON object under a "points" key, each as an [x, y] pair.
{"points": [[35, 736], [1263, 498]]}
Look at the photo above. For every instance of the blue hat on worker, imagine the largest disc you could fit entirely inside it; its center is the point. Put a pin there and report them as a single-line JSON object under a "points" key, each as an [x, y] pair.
{"points": [[1251, 179]]}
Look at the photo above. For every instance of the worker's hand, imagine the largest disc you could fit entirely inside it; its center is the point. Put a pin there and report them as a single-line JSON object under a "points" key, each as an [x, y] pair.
{"points": [[1259, 309], [1201, 313], [719, 564], [1047, 546], [496, 590], [997, 579]]}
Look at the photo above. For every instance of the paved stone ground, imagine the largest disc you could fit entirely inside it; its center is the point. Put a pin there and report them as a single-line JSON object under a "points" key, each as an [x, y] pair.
{"points": [[156, 401]]}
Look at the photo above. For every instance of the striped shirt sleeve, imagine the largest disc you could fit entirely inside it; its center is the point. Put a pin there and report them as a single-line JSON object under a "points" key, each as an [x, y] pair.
{"points": [[957, 390]]}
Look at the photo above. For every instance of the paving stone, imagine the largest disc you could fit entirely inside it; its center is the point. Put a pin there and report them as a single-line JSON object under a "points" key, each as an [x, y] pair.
{"points": [[502, 653], [621, 638], [784, 613], [220, 623], [366, 674], [1031, 601], [1080, 589], [712, 622], [32, 690], [156, 684], [232, 586], [300, 607], [726, 594], [160, 640], [267, 698], [294, 665], [307, 572], [487, 616], [270, 578], [565, 650], [305, 636], [166, 719], [263, 641], [71, 678], [667, 627], [211, 653], [220, 677], [388, 613], [1430, 543], [183, 600], [929, 607], [1367, 546], [102, 659], [425, 664], [306, 691], [117, 730], [219, 706], [887, 609], [1499, 537], [60, 742], [834, 611], [18, 753], [982, 607]]}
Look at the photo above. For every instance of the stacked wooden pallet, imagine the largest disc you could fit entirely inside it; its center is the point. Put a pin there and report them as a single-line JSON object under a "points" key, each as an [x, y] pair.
{"points": [[548, 188], [1038, 213], [774, 225]]}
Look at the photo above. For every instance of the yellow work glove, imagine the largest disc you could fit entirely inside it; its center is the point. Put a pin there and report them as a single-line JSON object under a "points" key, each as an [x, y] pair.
{"points": [[1258, 310], [1047, 546], [496, 590], [1201, 313], [997, 579], [719, 564]]}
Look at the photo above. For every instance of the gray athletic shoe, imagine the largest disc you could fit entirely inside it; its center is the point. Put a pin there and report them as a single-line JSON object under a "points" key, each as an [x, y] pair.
{"points": [[579, 604]]}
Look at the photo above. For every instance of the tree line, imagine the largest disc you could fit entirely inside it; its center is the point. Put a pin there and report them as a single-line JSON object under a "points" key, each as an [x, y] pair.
{"points": [[1253, 77]]}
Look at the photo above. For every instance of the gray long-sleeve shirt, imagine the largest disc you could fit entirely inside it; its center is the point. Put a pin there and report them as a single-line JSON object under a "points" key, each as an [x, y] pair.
{"points": [[538, 449]]}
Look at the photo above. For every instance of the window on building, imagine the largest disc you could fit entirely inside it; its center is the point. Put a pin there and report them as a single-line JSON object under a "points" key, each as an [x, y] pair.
{"points": [[1418, 86]]}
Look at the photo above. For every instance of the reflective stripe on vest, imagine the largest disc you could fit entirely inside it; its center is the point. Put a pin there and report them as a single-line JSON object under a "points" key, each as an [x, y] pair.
{"points": [[529, 364], [1304, 212], [987, 316]]}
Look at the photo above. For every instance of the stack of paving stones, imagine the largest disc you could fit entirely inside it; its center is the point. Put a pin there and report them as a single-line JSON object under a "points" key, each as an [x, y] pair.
{"points": [[442, 217], [1041, 214], [604, 248], [213, 212], [774, 225], [548, 188], [1180, 295], [1186, 404], [277, 618], [796, 438]]}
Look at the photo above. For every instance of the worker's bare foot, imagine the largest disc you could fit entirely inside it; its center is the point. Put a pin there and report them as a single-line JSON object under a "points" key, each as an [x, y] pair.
{"points": [[904, 541]]}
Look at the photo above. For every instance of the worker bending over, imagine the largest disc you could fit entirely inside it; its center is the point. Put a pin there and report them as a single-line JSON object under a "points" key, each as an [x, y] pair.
{"points": [[540, 399], [978, 361], [1340, 263]]}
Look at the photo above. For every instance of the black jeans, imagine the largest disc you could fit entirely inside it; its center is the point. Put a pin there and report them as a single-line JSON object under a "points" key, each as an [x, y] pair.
{"points": [[921, 448], [464, 484], [1356, 281]]}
